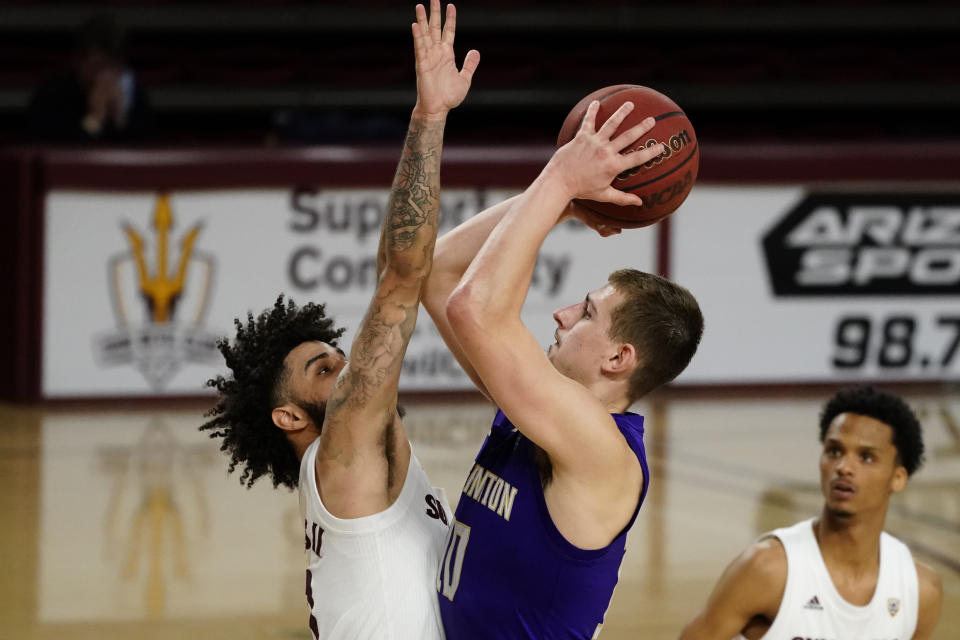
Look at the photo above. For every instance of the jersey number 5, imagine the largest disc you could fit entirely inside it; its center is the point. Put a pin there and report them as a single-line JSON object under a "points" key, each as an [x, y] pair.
{"points": [[448, 577]]}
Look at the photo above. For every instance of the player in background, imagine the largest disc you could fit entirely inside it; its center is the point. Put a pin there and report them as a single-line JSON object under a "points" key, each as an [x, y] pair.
{"points": [[839, 575], [539, 534], [297, 409]]}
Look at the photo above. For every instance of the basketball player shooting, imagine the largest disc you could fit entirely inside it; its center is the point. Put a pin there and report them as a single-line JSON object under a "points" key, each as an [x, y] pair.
{"points": [[540, 526], [839, 575], [298, 410]]}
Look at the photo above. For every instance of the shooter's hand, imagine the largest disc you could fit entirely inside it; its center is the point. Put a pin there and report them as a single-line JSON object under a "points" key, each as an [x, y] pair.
{"points": [[575, 210], [585, 166], [440, 85]]}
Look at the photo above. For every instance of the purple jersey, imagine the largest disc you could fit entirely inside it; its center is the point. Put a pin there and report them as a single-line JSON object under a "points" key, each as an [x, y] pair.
{"points": [[507, 572]]}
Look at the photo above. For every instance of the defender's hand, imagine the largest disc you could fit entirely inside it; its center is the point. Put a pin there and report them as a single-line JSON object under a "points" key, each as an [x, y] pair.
{"points": [[585, 166], [440, 85]]}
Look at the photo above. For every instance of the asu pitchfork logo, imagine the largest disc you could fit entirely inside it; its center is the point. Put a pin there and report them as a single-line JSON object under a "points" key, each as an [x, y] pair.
{"points": [[160, 298]]}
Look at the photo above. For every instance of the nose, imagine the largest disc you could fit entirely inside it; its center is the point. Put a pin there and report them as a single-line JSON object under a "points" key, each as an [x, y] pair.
{"points": [[560, 316], [844, 466]]}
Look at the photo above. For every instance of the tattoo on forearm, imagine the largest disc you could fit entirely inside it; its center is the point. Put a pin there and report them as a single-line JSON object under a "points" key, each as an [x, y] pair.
{"points": [[414, 199], [377, 352], [406, 245]]}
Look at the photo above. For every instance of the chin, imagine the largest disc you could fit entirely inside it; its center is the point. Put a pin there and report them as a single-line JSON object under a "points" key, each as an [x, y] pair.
{"points": [[839, 512]]}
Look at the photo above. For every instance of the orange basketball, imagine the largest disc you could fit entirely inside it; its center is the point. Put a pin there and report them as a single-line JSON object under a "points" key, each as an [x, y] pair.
{"points": [[664, 182]]}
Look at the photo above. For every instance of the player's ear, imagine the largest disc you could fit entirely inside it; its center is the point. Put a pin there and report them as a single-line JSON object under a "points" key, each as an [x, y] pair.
{"points": [[289, 417], [899, 480], [623, 360]]}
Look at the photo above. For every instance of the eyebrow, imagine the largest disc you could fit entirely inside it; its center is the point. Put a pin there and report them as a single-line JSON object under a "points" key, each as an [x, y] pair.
{"points": [[865, 447], [319, 356]]}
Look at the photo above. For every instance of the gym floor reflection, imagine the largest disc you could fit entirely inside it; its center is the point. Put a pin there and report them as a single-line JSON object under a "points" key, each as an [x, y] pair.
{"points": [[121, 523]]}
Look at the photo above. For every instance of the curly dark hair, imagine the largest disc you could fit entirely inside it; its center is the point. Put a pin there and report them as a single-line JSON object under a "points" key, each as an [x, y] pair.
{"points": [[886, 408], [242, 414]]}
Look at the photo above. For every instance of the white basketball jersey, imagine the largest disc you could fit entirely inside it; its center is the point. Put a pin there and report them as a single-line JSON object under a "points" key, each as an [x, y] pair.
{"points": [[813, 608], [374, 577]]}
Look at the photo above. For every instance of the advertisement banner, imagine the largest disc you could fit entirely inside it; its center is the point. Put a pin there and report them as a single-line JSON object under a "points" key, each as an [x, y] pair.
{"points": [[821, 284], [139, 286]]}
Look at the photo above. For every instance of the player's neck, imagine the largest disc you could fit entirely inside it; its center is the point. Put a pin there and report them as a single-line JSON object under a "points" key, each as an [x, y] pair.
{"points": [[620, 405], [850, 541], [612, 396], [301, 441]]}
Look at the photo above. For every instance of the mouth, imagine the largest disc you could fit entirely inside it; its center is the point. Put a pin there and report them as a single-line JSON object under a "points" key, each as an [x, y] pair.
{"points": [[842, 489]]}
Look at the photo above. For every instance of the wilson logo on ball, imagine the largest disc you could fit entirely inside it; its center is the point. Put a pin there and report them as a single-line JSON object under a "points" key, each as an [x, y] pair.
{"points": [[670, 147]]}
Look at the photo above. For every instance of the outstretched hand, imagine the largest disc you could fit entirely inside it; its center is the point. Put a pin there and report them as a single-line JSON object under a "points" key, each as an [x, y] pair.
{"points": [[592, 159], [440, 85]]}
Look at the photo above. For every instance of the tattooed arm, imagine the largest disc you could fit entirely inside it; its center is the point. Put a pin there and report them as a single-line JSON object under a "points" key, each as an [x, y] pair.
{"points": [[414, 202], [363, 450], [407, 240]]}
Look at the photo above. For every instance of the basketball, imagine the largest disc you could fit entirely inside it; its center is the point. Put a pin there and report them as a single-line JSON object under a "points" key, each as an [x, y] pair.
{"points": [[664, 182]]}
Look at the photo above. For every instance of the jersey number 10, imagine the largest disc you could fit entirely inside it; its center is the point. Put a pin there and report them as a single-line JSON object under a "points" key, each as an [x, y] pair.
{"points": [[448, 576]]}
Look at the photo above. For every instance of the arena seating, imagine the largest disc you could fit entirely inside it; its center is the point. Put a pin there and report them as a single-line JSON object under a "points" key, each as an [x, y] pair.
{"points": [[289, 71]]}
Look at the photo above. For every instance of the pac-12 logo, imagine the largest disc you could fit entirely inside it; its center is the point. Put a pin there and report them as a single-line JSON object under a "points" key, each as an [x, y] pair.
{"points": [[159, 301], [867, 244]]}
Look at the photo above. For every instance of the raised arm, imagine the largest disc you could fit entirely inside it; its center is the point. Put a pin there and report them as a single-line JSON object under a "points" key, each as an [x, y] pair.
{"points": [[748, 593], [558, 414], [456, 249], [454, 253], [362, 405]]}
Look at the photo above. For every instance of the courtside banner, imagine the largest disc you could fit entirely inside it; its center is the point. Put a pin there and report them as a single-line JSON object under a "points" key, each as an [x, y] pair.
{"points": [[139, 286], [802, 284]]}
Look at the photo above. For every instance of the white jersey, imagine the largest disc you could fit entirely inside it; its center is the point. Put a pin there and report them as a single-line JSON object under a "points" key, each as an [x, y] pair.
{"points": [[374, 577], [813, 608]]}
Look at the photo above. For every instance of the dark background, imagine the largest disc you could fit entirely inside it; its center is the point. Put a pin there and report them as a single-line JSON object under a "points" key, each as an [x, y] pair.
{"points": [[285, 72]]}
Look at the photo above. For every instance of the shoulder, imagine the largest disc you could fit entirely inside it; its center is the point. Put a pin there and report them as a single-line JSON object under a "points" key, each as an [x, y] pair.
{"points": [[928, 583], [766, 560], [751, 586], [758, 577], [930, 598], [759, 573]]}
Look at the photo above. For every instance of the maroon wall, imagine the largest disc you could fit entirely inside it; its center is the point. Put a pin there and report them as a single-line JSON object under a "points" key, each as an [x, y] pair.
{"points": [[26, 175]]}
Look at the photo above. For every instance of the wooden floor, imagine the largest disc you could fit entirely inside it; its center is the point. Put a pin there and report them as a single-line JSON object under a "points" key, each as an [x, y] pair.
{"points": [[124, 524]]}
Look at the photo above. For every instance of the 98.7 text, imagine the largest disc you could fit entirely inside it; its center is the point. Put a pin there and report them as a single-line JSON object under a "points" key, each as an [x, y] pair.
{"points": [[894, 342]]}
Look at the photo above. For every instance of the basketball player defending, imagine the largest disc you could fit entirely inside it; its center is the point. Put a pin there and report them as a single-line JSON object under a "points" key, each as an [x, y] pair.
{"points": [[295, 408], [839, 575], [540, 526]]}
